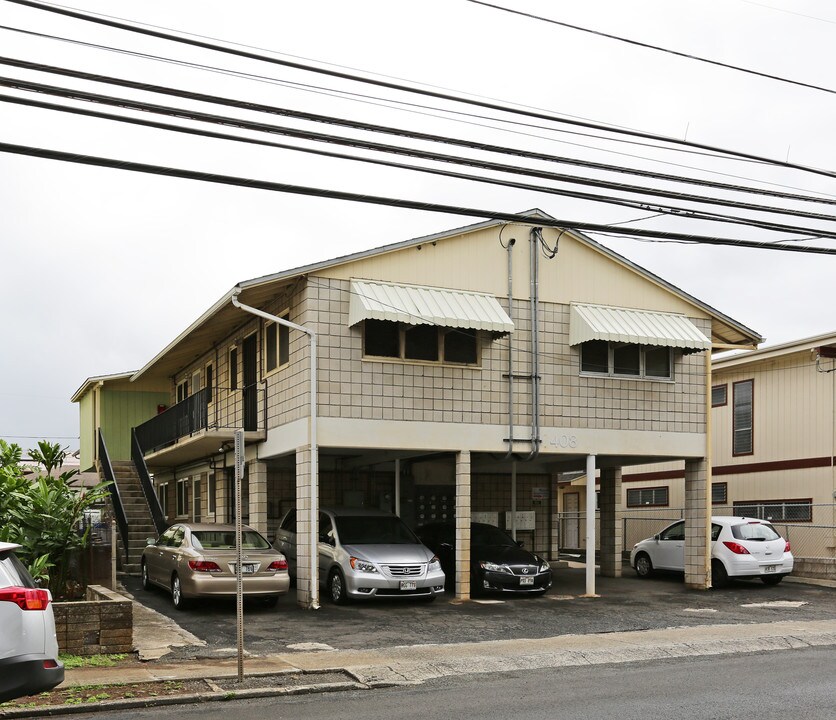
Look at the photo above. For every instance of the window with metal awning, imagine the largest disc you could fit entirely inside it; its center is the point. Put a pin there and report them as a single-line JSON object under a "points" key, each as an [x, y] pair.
{"points": [[427, 324], [631, 343]]}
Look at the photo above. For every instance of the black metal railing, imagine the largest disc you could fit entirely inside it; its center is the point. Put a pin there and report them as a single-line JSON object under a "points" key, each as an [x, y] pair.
{"points": [[216, 408], [115, 497], [181, 420], [147, 486]]}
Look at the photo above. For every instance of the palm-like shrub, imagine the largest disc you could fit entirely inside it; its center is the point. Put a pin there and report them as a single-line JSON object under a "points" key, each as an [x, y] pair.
{"points": [[44, 515]]}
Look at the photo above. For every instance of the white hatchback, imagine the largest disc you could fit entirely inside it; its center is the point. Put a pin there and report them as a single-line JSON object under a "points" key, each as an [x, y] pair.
{"points": [[741, 547], [29, 661]]}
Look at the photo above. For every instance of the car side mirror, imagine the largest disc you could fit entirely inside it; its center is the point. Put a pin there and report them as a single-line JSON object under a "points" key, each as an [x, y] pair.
{"points": [[519, 543], [446, 546], [150, 541], [657, 537]]}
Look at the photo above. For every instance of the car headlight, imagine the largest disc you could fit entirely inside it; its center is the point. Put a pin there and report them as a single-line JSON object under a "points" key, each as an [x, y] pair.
{"points": [[435, 564], [493, 567], [362, 565], [543, 565]]}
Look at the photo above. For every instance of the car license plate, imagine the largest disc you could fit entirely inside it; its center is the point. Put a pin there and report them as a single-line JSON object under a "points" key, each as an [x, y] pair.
{"points": [[526, 581], [246, 568], [770, 568], [409, 585]]}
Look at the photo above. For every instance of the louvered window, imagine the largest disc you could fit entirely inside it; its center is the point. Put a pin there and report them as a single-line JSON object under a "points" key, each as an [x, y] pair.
{"points": [[743, 417]]}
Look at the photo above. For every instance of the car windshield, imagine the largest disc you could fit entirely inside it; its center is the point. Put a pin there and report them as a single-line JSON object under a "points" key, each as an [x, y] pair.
{"points": [[754, 531], [374, 530], [490, 535], [225, 540]]}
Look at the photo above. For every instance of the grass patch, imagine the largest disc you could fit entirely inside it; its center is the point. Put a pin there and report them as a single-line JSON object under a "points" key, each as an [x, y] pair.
{"points": [[82, 661]]}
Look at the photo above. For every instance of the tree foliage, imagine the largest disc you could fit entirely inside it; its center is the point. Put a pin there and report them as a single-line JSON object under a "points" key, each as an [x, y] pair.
{"points": [[44, 515]]}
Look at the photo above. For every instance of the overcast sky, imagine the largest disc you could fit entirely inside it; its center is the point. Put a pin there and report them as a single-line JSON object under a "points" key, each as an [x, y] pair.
{"points": [[102, 268]]}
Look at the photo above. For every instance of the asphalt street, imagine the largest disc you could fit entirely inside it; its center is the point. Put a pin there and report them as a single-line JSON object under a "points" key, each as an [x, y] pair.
{"points": [[625, 604], [769, 686]]}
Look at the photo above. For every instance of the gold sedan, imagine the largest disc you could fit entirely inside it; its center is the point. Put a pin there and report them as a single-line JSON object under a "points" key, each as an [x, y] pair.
{"points": [[194, 560]]}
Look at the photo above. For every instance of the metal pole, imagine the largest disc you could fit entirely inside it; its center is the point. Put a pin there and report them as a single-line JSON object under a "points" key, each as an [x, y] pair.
{"points": [[239, 580], [113, 553], [397, 487], [514, 499], [590, 526]]}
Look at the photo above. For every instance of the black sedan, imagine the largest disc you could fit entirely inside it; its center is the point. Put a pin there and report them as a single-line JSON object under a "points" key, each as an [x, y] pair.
{"points": [[497, 562]]}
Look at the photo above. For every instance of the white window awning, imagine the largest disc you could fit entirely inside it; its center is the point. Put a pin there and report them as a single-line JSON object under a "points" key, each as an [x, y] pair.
{"points": [[419, 305], [643, 327]]}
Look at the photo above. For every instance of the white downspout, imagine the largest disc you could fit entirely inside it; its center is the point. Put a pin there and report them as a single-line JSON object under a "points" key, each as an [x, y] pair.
{"points": [[314, 567]]}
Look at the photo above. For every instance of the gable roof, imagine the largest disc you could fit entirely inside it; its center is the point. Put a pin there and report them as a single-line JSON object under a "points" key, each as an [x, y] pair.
{"points": [[222, 318], [775, 351]]}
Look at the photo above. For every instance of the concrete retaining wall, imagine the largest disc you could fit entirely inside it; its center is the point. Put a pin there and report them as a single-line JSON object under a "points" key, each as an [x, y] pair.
{"points": [[819, 568], [101, 624]]}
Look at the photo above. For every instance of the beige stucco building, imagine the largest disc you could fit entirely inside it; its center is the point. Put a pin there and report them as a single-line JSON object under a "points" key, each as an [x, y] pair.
{"points": [[457, 377]]}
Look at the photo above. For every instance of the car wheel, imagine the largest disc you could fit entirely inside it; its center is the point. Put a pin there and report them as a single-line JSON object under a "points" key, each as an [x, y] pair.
{"points": [[146, 581], [177, 598], [644, 566], [772, 579], [336, 588], [719, 576]]}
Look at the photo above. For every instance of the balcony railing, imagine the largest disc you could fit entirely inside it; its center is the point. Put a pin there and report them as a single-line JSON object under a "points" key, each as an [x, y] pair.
{"points": [[208, 409]]}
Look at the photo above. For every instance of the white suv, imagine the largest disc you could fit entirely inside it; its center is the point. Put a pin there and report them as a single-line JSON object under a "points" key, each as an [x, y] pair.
{"points": [[28, 647], [741, 547]]}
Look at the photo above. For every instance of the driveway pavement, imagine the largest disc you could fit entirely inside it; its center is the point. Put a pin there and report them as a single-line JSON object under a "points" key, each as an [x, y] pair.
{"points": [[626, 604]]}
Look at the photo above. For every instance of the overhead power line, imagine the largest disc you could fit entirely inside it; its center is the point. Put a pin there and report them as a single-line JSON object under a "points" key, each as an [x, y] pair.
{"points": [[86, 17], [436, 157], [658, 48], [520, 218], [636, 204], [400, 132]]}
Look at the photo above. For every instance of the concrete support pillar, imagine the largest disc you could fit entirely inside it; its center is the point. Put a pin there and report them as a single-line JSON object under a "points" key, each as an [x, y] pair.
{"points": [[697, 526], [307, 591], [463, 525], [258, 495], [611, 528], [554, 519]]}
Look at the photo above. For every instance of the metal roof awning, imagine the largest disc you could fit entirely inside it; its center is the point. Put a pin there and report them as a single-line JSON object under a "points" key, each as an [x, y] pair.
{"points": [[644, 327], [420, 305]]}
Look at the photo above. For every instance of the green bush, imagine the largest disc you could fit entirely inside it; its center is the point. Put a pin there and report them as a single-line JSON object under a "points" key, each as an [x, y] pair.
{"points": [[44, 514]]}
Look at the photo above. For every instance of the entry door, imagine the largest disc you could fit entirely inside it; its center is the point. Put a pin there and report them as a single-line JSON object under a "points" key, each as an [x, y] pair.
{"points": [[571, 523], [250, 369]]}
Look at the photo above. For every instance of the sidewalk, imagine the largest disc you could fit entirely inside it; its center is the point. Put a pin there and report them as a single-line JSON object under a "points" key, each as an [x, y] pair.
{"points": [[418, 663]]}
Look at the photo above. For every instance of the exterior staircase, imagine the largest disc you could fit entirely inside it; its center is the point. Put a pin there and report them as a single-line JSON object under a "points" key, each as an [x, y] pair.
{"points": [[140, 522]]}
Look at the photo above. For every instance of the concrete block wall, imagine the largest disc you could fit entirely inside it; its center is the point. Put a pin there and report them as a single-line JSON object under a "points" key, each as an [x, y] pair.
{"points": [[818, 568], [350, 387], [101, 624]]}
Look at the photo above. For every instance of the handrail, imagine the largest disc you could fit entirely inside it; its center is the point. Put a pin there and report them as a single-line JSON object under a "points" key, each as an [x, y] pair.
{"points": [[147, 486], [115, 497]]}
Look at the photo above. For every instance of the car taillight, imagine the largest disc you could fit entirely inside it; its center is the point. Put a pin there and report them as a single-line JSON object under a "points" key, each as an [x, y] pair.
{"points": [[204, 566], [736, 548], [278, 565], [787, 546], [49, 664], [25, 598]]}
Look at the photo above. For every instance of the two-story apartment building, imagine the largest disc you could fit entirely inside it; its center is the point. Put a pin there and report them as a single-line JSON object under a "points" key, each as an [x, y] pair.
{"points": [[457, 376]]}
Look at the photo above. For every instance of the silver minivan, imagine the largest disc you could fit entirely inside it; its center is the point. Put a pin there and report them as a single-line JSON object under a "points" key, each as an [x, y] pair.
{"points": [[366, 554], [29, 661]]}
